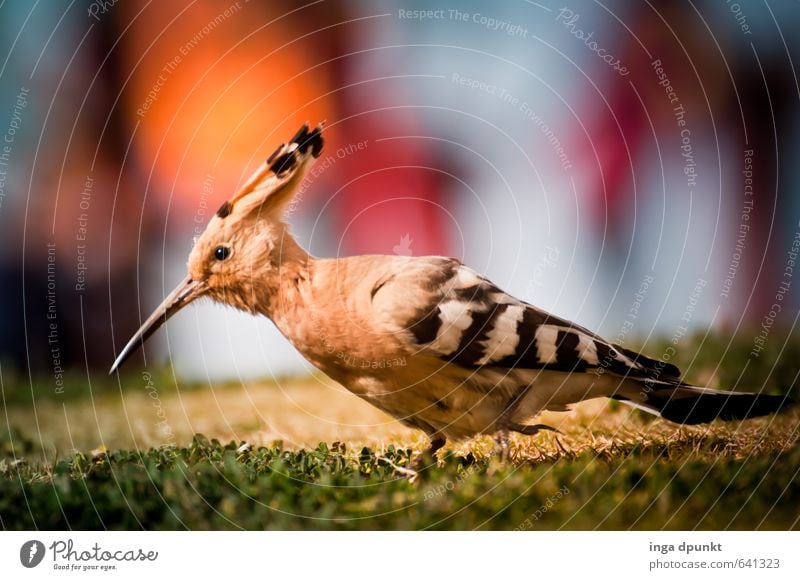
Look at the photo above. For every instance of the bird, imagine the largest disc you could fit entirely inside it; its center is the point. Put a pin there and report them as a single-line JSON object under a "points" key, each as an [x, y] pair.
{"points": [[426, 339]]}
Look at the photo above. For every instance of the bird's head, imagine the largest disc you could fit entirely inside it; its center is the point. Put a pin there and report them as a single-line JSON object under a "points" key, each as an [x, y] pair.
{"points": [[246, 240]]}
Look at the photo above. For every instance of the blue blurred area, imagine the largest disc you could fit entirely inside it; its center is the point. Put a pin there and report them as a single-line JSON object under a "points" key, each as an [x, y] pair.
{"points": [[592, 159]]}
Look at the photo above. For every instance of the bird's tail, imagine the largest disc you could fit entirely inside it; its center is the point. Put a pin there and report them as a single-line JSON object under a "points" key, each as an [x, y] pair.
{"points": [[689, 405]]}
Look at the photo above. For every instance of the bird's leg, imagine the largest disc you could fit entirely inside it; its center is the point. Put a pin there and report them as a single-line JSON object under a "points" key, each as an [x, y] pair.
{"points": [[505, 424], [501, 439]]}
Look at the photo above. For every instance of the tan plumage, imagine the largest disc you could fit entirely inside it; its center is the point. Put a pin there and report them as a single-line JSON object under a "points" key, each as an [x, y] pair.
{"points": [[426, 339]]}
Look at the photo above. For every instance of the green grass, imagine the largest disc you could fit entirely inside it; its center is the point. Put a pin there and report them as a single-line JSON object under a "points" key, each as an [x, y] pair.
{"points": [[207, 485], [609, 468]]}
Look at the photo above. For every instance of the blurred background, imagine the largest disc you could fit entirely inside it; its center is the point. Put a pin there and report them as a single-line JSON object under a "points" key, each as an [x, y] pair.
{"points": [[629, 166]]}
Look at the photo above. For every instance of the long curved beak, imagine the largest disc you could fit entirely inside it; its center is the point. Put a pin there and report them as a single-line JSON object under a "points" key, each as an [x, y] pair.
{"points": [[184, 293]]}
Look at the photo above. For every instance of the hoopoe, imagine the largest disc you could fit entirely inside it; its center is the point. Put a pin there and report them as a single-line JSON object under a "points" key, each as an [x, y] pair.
{"points": [[426, 339]]}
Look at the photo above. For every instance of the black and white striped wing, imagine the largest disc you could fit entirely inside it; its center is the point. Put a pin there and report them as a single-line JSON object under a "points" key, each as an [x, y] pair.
{"points": [[471, 322]]}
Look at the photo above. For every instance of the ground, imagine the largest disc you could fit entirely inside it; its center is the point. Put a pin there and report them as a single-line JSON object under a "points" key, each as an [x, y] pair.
{"points": [[303, 453]]}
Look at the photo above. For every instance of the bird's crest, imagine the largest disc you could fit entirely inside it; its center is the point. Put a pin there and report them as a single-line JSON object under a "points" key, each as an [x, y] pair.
{"points": [[273, 183]]}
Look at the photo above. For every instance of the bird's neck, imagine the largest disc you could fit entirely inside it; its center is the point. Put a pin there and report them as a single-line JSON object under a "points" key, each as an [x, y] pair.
{"points": [[291, 274], [290, 253]]}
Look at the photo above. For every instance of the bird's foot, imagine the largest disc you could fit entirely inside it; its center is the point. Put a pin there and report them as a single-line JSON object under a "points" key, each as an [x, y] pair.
{"points": [[501, 437]]}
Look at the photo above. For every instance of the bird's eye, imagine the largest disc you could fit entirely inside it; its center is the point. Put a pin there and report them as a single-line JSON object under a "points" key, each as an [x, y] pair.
{"points": [[222, 253]]}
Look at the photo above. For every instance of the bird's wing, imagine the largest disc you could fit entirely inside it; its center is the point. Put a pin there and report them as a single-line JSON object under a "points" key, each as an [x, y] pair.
{"points": [[450, 311]]}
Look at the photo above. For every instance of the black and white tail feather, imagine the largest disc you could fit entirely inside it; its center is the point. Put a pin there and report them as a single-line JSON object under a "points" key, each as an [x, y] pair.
{"points": [[548, 363]]}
